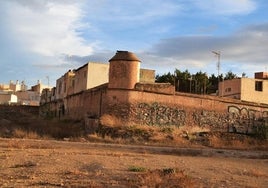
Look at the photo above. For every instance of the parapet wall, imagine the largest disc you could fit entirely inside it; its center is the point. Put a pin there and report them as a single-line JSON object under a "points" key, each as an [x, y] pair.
{"points": [[165, 88]]}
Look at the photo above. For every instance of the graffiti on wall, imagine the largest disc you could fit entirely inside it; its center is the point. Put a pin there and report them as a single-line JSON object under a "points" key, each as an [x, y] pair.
{"points": [[212, 119], [244, 120], [237, 119], [158, 114]]}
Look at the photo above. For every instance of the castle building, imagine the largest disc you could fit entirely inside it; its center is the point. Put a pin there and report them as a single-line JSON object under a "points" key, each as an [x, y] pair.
{"points": [[123, 90], [123, 71]]}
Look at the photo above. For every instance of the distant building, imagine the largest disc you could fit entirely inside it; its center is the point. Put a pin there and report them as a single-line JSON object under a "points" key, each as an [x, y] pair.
{"points": [[38, 87], [46, 96], [246, 89], [8, 98], [17, 93], [17, 86], [64, 85], [4, 87], [31, 98]]}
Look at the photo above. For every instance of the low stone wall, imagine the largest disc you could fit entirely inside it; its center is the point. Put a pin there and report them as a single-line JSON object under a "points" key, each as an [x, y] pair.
{"points": [[147, 108], [156, 114], [17, 111]]}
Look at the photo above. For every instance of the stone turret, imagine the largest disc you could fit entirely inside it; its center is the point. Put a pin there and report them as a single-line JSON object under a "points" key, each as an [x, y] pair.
{"points": [[124, 70]]}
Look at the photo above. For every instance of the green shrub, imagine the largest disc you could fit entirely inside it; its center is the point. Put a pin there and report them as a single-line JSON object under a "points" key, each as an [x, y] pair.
{"points": [[136, 169]]}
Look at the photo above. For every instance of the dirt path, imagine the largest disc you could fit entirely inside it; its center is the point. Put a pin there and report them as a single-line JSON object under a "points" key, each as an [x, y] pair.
{"points": [[49, 163]]}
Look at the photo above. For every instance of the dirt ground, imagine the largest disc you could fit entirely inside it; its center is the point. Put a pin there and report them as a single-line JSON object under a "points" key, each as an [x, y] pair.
{"points": [[51, 163]]}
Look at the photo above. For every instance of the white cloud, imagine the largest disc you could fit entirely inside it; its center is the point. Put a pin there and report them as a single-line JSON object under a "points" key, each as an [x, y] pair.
{"points": [[132, 11], [48, 28], [226, 7], [245, 50], [40, 33]]}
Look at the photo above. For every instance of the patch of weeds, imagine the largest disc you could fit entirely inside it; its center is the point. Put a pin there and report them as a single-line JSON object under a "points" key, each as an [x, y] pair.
{"points": [[137, 169], [167, 171], [45, 183], [167, 177], [167, 130], [261, 131], [191, 137], [24, 165], [93, 167]]}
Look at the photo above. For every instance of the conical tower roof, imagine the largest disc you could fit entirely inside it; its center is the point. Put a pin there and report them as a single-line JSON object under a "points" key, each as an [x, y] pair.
{"points": [[124, 56]]}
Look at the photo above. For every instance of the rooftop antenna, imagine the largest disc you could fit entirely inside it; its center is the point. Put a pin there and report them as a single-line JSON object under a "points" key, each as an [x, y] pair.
{"points": [[218, 54], [47, 81]]}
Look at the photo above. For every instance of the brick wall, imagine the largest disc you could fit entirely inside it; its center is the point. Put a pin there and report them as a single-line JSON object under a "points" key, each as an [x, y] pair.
{"points": [[148, 108]]}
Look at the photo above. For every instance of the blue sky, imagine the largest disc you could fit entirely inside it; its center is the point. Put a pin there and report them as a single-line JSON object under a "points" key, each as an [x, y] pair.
{"points": [[40, 38]]}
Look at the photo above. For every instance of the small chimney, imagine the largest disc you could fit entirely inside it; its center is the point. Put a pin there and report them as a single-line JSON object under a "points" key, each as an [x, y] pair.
{"points": [[261, 75]]}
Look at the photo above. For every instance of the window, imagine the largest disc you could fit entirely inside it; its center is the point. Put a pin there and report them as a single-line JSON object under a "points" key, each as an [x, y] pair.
{"points": [[228, 89], [73, 83], [258, 85], [60, 85]]}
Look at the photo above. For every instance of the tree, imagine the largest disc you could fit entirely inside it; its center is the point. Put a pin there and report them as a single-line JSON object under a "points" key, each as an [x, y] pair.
{"points": [[198, 83], [213, 86], [201, 82], [165, 78], [182, 80], [230, 75]]}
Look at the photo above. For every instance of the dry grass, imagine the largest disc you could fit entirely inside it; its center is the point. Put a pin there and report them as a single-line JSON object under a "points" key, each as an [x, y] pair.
{"points": [[17, 144], [235, 141], [43, 129], [110, 121], [168, 177], [193, 129], [114, 130], [255, 173], [20, 133]]}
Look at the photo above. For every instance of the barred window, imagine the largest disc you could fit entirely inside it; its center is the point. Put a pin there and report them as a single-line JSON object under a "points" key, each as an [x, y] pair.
{"points": [[258, 85]]}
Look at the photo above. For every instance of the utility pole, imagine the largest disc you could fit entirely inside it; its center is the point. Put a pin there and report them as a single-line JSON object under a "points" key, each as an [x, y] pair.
{"points": [[47, 81], [218, 54]]}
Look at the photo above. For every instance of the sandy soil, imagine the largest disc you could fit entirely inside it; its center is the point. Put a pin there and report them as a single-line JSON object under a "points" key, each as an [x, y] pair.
{"points": [[50, 163]]}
